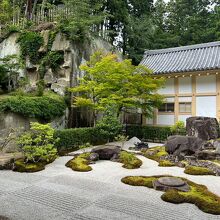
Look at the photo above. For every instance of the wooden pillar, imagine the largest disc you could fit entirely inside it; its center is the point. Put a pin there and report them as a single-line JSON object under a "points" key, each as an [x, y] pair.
{"points": [[193, 95], [176, 99]]}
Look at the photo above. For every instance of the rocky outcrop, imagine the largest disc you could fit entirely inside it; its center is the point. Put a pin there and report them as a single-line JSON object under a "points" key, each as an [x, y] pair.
{"points": [[107, 152], [183, 145], [202, 127]]}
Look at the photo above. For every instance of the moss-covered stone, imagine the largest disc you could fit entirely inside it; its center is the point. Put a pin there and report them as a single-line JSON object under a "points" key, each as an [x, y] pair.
{"points": [[21, 166], [166, 163], [129, 160], [80, 163], [198, 194], [155, 153], [193, 170]]}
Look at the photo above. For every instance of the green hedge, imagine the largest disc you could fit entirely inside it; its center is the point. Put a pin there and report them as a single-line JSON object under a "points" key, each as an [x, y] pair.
{"points": [[45, 108], [151, 133], [71, 139]]}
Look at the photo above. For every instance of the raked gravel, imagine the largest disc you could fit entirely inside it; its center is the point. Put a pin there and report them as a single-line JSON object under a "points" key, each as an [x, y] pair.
{"points": [[58, 193]]}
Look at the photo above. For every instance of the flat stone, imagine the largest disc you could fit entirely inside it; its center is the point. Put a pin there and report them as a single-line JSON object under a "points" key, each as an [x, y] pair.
{"points": [[171, 181], [166, 183]]}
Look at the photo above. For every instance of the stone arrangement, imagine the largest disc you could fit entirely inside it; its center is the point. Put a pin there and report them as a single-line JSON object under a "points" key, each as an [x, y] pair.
{"points": [[166, 183], [204, 128]]}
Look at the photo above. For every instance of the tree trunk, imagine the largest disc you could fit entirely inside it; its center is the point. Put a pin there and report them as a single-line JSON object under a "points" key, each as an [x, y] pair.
{"points": [[34, 8]]}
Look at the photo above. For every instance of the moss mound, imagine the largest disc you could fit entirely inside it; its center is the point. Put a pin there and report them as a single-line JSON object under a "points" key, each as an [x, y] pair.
{"points": [[198, 195], [193, 170], [166, 163], [129, 160], [22, 167], [155, 153], [80, 163]]}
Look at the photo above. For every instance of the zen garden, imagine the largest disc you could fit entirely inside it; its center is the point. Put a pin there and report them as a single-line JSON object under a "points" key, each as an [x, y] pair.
{"points": [[109, 109]]}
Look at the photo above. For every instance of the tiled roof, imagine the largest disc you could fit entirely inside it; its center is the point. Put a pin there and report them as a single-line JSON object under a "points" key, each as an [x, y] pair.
{"points": [[197, 57]]}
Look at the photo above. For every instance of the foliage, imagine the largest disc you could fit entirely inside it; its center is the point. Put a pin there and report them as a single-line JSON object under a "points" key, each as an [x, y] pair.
{"points": [[121, 137], [110, 82], [193, 170], [38, 143], [53, 60], [44, 107], [5, 11], [109, 126], [198, 195], [79, 24], [40, 87], [9, 67], [129, 160], [84, 146], [80, 164], [71, 139], [30, 42], [177, 127], [151, 133]]}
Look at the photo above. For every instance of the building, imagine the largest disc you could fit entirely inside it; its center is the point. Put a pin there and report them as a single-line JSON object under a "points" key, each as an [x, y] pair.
{"points": [[192, 85]]}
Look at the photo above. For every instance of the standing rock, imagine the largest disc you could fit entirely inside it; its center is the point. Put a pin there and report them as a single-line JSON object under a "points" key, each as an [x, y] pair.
{"points": [[183, 145], [202, 127]]}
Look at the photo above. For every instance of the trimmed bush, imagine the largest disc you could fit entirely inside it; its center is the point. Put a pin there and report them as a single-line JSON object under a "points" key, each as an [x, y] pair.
{"points": [[152, 133], [71, 139]]}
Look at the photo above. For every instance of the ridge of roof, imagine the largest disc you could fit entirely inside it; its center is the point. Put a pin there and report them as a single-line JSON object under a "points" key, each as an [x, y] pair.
{"points": [[182, 48]]}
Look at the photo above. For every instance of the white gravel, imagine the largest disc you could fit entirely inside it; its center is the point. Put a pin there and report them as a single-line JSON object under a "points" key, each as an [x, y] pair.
{"points": [[58, 193]]}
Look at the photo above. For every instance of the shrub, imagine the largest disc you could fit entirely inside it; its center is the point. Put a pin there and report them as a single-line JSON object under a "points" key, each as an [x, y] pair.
{"points": [[38, 143], [151, 133], [177, 127], [44, 107], [30, 42]]}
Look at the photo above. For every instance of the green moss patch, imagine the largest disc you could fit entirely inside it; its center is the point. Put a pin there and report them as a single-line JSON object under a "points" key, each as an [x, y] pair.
{"points": [[193, 170], [166, 163], [22, 167], [129, 160], [156, 154], [198, 195], [80, 163]]}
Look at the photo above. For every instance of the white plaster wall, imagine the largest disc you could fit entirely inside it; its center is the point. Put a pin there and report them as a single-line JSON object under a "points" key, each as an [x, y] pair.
{"points": [[206, 106], [183, 118], [165, 119], [206, 84], [169, 99], [185, 99], [185, 85], [168, 87]]}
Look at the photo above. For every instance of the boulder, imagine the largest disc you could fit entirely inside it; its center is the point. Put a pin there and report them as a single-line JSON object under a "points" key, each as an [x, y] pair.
{"points": [[205, 128], [207, 155], [107, 152], [183, 145], [93, 157]]}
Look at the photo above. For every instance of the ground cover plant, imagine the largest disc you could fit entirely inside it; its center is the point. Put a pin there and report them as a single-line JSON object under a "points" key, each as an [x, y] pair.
{"points": [[156, 153], [198, 195], [129, 160], [194, 170], [80, 163]]}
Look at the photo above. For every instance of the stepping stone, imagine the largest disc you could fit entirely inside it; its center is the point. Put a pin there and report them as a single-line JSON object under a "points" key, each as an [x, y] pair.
{"points": [[166, 183]]}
